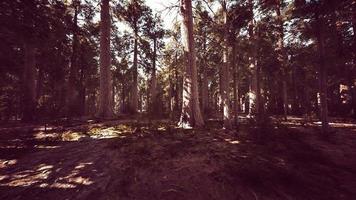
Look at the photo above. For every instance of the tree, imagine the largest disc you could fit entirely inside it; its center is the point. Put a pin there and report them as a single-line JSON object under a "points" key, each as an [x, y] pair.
{"points": [[191, 115], [134, 12], [225, 77], [155, 32], [105, 98], [254, 91], [72, 100]]}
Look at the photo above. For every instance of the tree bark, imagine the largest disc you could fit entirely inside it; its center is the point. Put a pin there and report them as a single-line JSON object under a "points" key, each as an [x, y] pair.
{"points": [[72, 92], [204, 85], [353, 73], [282, 58], [235, 86], [191, 115], [153, 89], [105, 99], [322, 75], [29, 83], [225, 78], [253, 99], [134, 89]]}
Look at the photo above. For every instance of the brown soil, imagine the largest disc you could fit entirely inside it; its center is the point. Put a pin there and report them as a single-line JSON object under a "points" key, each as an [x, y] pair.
{"points": [[157, 161]]}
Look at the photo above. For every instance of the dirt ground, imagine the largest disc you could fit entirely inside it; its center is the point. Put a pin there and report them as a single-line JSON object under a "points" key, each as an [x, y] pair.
{"points": [[131, 160]]}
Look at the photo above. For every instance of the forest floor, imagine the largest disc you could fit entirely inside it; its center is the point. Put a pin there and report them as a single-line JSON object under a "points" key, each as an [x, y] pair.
{"points": [[137, 159]]}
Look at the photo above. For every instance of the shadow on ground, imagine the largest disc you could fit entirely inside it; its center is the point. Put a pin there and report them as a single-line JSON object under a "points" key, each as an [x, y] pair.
{"points": [[157, 161]]}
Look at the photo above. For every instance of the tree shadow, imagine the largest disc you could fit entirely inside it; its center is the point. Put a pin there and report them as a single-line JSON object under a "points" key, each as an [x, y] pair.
{"points": [[159, 161]]}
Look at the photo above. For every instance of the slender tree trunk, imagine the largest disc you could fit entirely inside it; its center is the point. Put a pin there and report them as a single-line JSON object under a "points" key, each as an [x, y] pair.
{"points": [[29, 83], [353, 72], [191, 115], [134, 92], [204, 85], [170, 93], [153, 89], [105, 99], [225, 78], [72, 92], [123, 95], [235, 87], [177, 84], [322, 75], [39, 83], [253, 99], [295, 101], [282, 58], [82, 92]]}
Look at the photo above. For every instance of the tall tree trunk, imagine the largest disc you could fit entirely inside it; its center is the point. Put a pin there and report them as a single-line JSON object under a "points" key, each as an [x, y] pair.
{"points": [[204, 85], [253, 99], [295, 102], [134, 92], [353, 71], [105, 99], [322, 74], [39, 83], [282, 57], [72, 96], [235, 87], [170, 93], [123, 97], [82, 92], [29, 82], [191, 115], [225, 78], [153, 89]]}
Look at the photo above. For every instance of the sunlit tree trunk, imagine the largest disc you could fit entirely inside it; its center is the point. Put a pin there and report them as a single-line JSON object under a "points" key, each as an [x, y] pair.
{"points": [[191, 115], [72, 93], [29, 82], [105, 98], [225, 77]]}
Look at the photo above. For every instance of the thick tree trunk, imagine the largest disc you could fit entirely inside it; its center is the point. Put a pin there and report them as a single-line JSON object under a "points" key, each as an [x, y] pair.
{"points": [[29, 83], [72, 97], [105, 99], [191, 115], [225, 77]]}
